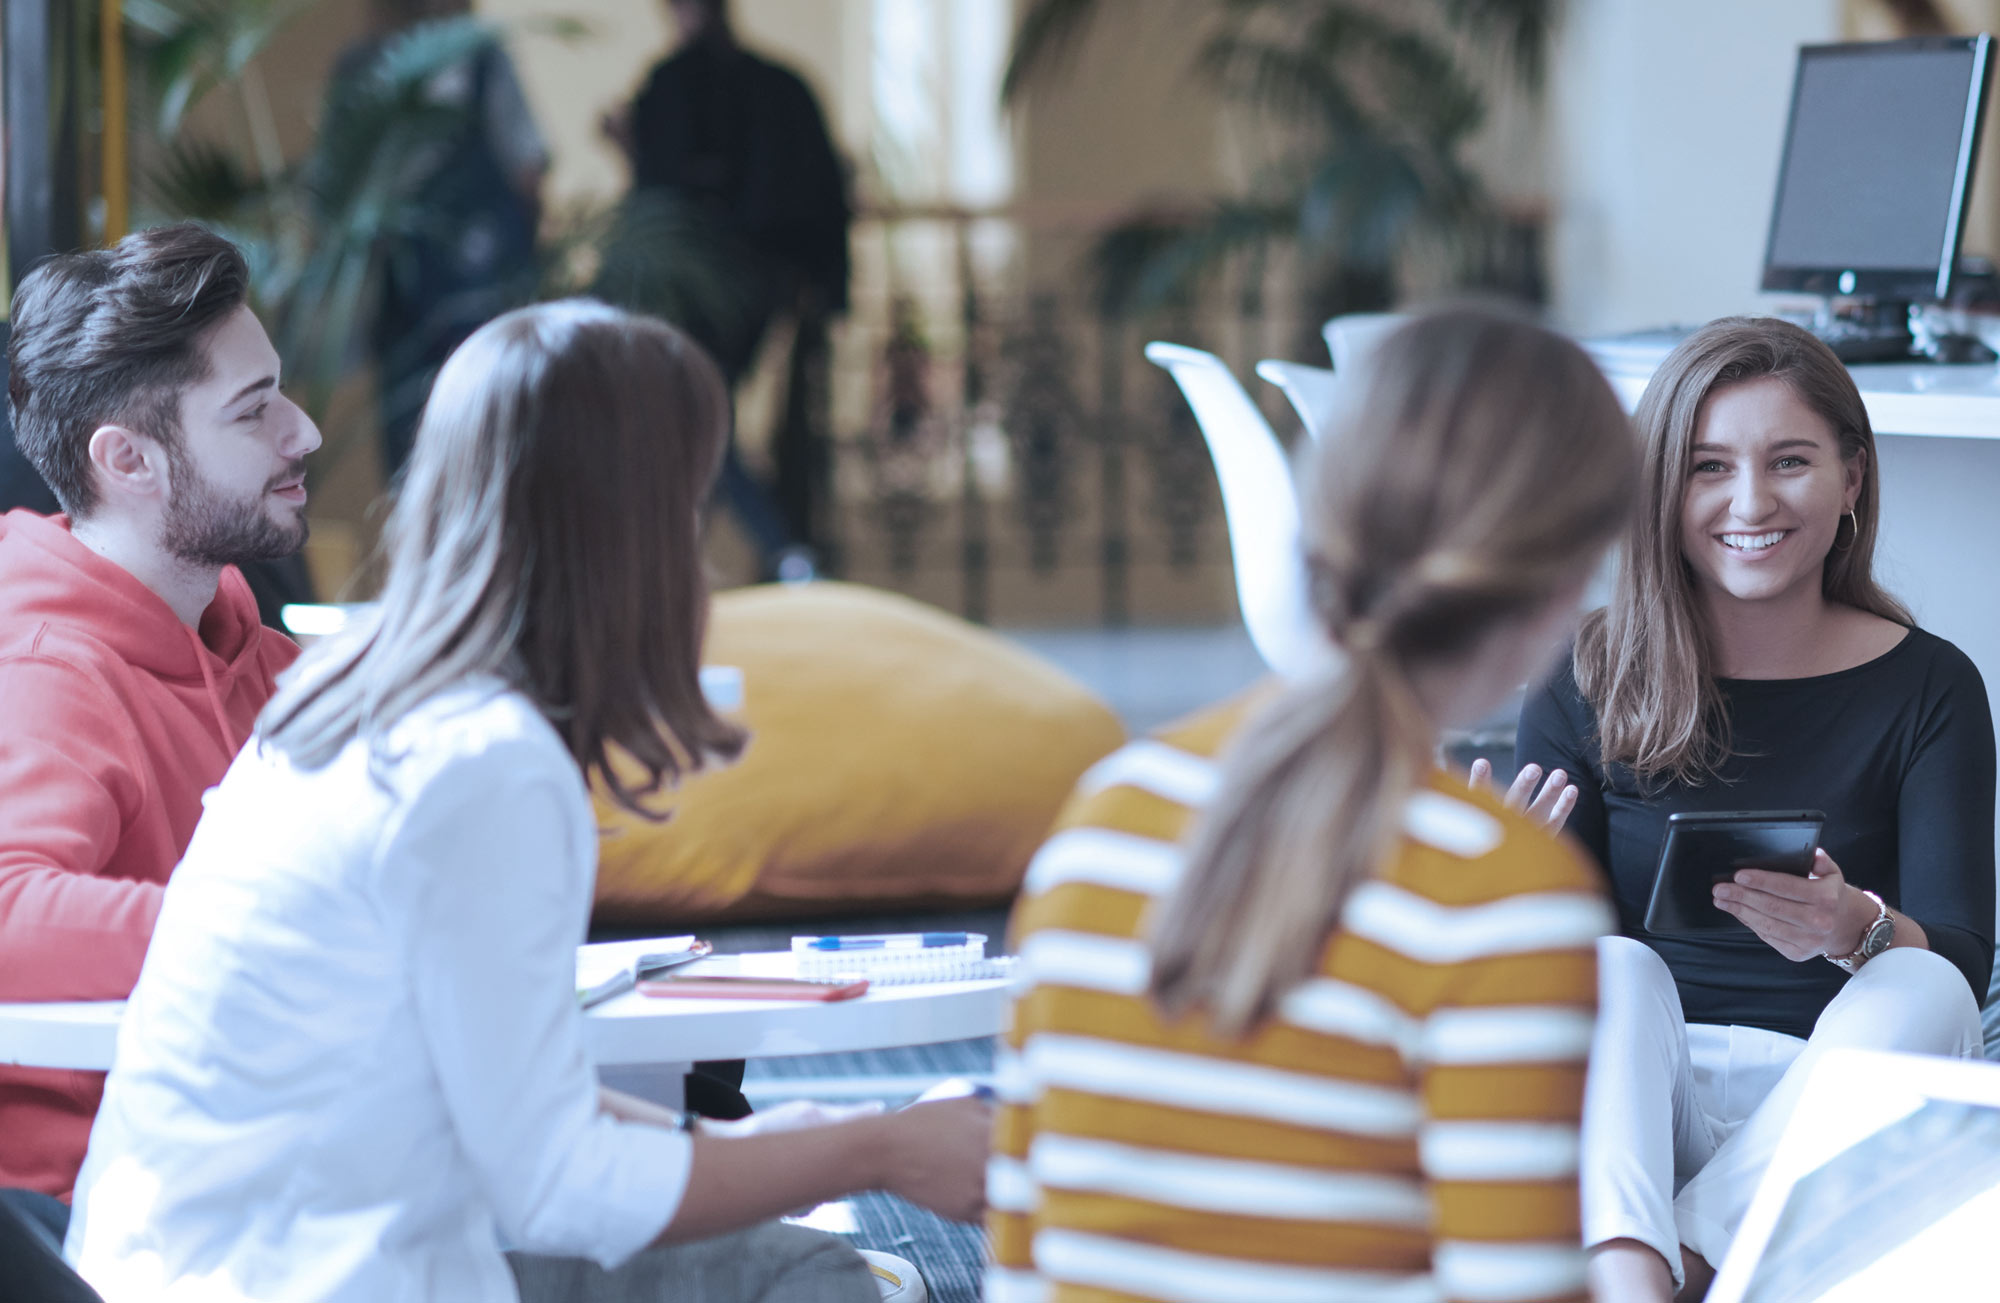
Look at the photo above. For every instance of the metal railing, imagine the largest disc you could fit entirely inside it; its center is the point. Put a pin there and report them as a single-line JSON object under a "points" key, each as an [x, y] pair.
{"points": [[978, 433]]}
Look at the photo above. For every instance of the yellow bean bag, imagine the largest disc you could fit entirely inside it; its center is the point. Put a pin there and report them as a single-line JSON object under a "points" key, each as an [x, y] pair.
{"points": [[899, 757]]}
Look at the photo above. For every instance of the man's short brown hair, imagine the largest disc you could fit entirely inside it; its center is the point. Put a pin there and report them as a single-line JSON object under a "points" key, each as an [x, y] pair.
{"points": [[113, 335]]}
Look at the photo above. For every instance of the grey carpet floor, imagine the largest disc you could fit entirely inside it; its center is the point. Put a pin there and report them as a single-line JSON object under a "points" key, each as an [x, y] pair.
{"points": [[951, 1256]]}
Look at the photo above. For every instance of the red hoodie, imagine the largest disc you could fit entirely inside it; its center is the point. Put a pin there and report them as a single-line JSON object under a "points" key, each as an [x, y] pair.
{"points": [[114, 719]]}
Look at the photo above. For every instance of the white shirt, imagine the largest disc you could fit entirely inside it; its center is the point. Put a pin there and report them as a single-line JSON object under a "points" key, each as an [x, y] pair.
{"points": [[354, 1063]]}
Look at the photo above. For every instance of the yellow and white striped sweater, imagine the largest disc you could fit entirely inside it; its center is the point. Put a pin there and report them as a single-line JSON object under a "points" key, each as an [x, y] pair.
{"points": [[1404, 1129]]}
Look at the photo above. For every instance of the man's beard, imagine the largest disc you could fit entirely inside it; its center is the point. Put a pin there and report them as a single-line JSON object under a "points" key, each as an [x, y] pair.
{"points": [[206, 529]]}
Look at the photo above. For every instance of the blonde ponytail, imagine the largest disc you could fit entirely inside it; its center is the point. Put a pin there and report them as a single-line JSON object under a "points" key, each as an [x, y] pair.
{"points": [[1308, 807]]}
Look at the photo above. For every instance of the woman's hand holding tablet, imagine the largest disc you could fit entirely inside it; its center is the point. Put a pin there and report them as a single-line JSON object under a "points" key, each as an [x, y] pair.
{"points": [[1800, 918], [1764, 870]]}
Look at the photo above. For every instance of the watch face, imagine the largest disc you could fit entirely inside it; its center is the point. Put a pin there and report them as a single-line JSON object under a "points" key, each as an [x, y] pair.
{"points": [[1878, 938]]}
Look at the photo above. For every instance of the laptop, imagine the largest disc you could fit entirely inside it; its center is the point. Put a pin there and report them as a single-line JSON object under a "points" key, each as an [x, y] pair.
{"points": [[1885, 1185]]}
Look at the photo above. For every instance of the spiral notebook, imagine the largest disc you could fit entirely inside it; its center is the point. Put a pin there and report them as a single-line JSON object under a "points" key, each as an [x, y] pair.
{"points": [[899, 960], [610, 968]]}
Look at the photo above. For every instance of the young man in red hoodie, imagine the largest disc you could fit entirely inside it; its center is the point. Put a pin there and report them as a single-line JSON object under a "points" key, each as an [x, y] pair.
{"points": [[132, 663]]}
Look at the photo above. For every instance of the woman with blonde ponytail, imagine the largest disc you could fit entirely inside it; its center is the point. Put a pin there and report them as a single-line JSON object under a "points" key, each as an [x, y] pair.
{"points": [[1309, 1021], [1748, 660]]}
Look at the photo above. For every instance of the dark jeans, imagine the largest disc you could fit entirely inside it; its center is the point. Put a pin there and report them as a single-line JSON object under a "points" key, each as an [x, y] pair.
{"points": [[771, 1263], [47, 1219], [31, 1266], [755, 509], [748, 498]]}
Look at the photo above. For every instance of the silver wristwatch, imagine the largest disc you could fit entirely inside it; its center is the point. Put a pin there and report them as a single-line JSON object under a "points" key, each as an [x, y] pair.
{"points": [[1876, 938]]}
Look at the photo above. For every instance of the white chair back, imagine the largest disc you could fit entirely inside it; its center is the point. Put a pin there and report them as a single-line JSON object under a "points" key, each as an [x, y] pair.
{"points": [[1261, 506], [1310, 390], [1349, 337]]}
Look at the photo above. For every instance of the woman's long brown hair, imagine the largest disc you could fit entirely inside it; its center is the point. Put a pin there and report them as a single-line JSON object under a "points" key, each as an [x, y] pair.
{"points": [[1644, 662], [548, 533], [1484, 469]]}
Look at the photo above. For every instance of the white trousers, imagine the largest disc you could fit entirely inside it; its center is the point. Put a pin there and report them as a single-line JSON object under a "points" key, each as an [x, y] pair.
{"points": [[1679, 1121]]}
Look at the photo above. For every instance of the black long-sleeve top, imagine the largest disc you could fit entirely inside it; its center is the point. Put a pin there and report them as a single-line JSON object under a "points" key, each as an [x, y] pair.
{"points": [[1899, 754]]}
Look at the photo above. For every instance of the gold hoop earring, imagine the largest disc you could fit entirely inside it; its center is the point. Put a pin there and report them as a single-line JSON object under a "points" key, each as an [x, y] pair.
{"points": [[1853, 534]]}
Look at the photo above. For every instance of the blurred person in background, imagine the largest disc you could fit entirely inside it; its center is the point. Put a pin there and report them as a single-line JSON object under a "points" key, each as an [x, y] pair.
{"points": [[739, 141]]}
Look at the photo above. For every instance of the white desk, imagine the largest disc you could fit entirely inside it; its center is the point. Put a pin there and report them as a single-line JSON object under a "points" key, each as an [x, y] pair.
{"points": [[1947, 402], [635, 1029], [631, 1031]]}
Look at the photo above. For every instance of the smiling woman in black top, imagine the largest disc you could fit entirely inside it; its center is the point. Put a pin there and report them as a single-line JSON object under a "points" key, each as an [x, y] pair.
{"points": [[1898, 751], [1748, 661]]}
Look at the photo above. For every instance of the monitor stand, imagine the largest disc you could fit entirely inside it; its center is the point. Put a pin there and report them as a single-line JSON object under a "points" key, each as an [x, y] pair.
{"points": [[1879, 330]]}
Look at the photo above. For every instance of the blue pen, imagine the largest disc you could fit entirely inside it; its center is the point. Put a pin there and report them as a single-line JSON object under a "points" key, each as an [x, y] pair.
{"points": [[898, 941]]}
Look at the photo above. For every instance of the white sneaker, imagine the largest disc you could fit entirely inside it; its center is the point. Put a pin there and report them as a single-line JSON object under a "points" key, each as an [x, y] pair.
{"points": [[897, 1276], [797, 565]]}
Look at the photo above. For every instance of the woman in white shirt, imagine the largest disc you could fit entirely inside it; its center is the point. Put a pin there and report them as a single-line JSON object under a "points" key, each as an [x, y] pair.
{"points": [[353, 1067]]}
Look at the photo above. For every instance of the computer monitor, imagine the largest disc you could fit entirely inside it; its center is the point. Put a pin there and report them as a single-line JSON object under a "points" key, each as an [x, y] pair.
{"points": [[1877, 164]]}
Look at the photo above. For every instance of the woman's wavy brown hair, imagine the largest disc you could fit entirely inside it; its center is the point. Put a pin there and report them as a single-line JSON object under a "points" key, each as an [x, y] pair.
{"points": [[1482, 473], [547, 532], [1644, 662]]}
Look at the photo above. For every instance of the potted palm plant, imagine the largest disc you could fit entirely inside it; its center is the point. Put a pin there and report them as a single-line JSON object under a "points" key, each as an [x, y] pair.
{"points": [[1371, 107]]}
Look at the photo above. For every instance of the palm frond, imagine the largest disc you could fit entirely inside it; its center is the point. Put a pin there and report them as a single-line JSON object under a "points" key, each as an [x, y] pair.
{"points": [[189, 47], [1359, 202], [1350, 70], [1378, 99], [381, 116], [412, 57], [151, 19], [1413, 78], [1427, 96], [361, 191], [662, 255], [1046, 41], [1370, 206], [201, 180], [324, 314], [1154, 260], [1283, 81], [1519, 31]]}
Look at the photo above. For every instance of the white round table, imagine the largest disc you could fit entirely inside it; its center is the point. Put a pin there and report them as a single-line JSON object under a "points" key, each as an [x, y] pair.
{"points": [[630, 1030], [60, 1035]]}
